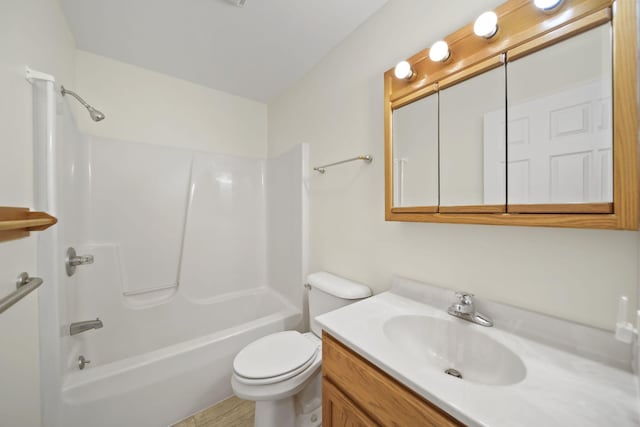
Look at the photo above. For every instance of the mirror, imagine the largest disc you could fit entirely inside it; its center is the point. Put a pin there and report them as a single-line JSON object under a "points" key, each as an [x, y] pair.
{"points": [[415, 153], [472, 143], [535, 141], [560, 122]]}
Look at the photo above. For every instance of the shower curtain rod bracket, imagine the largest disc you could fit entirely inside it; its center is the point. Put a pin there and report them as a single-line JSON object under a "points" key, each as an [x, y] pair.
{"points": [[31, 75]]}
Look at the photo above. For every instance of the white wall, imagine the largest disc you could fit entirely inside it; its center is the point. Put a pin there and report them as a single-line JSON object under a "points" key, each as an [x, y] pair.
{"points": [[338, 109], [145, 106], [32, 32]]}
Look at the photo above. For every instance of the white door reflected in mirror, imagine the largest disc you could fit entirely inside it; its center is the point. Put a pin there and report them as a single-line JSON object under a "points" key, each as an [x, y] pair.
{"points": [[559, 130]]}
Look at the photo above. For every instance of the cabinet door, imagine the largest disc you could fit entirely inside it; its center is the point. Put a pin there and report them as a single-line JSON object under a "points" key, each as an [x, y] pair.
{"points": [[472, 160], [339, 411], [415, 154], [560, 143]]}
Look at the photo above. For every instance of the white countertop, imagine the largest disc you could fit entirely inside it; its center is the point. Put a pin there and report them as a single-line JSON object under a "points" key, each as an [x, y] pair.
{"points": [[560, 388]]}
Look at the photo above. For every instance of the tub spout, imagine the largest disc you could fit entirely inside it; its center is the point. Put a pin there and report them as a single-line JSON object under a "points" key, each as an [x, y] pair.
{"points": [[79, 327]]}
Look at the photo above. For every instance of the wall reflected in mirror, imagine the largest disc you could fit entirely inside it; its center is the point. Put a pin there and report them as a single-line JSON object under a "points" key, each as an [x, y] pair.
{"points": [[415, 153], [560, 122], [468, 149]]}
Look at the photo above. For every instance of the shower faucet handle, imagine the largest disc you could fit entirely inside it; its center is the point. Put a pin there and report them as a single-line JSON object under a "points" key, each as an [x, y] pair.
{"points": [[81, 260], [74, 260]]}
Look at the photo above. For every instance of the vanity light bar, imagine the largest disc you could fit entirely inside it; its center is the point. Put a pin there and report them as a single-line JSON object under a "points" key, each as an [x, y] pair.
{"points": [[486, 26]]}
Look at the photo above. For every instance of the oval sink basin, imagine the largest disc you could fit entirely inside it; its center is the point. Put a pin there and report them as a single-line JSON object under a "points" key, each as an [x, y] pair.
{"points": [[456, 348]]}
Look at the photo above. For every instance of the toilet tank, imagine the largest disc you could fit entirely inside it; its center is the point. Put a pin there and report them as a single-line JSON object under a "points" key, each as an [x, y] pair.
{"points": [[330, 292]]}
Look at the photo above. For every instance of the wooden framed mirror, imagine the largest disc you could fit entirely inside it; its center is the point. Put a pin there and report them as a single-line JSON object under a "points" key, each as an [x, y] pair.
{"points": [[537, 125]]}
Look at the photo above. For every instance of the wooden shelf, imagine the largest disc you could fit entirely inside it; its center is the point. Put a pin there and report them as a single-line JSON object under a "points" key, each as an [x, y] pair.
{"points": [[16, 223]]}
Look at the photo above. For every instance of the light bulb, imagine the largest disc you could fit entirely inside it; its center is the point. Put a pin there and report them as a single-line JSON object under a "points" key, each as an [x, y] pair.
{"points": [[547, 5], [439, 51], [486, 25], [403, 71]]}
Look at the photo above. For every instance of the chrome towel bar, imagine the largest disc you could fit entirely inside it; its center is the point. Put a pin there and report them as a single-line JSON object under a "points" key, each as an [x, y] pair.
{"points": [[366, 158], [24, 286]]}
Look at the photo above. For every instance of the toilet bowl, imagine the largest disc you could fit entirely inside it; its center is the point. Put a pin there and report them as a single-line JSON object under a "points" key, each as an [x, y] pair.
{"points": [[276, 368], [281, 372]]}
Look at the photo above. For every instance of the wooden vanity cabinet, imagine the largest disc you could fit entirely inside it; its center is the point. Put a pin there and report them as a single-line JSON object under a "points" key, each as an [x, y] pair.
{"points": [[357, 393]]}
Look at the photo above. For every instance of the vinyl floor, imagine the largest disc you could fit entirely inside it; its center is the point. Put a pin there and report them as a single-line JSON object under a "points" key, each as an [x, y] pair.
{"points": [[232, 412]]}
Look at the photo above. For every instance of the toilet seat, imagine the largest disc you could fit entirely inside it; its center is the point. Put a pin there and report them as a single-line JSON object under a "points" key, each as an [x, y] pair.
{"points": [[275, 358]]}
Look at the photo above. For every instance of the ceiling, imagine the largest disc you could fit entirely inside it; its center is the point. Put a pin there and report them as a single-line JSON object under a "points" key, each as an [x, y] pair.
{"points": [[256, 51]]}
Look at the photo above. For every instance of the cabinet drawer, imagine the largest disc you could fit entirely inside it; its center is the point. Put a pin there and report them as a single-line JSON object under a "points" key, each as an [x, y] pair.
{"points": [[382, 398]]}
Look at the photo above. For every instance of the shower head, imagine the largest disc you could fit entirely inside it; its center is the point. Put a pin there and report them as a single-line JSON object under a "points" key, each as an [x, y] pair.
{"points": [[96, 115]]}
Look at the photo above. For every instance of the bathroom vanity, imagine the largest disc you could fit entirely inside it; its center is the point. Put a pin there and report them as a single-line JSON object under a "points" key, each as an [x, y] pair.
{"points": [[388, 360], [350, 382]]}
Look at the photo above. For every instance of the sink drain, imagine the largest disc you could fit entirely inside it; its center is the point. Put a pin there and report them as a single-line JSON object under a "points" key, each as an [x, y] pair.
{"points": [[453, 373]]}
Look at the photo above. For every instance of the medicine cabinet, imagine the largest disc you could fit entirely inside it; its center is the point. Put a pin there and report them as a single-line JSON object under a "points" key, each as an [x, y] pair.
{"points": [[533, 124]]}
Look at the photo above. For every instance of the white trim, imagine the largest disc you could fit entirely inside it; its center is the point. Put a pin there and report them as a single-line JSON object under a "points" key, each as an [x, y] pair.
{"points": [[31, 75]]}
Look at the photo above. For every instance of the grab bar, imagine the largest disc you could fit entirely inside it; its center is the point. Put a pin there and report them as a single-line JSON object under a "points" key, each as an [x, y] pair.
{"points": [[24, 286]]}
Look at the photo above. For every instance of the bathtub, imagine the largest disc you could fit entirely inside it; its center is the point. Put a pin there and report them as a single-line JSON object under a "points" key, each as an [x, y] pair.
{"points": [[160, 386]]}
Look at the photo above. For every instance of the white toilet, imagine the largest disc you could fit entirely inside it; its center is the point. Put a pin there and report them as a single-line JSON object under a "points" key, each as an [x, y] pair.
{"points": [[281, 371]]}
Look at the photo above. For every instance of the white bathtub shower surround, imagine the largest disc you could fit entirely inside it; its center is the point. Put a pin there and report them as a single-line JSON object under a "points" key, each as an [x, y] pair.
{"points": [[46, 133], [161, 387], [178, 217], [225, 238], [287, 223], [179, 280], [138, 198], [134, 329]]}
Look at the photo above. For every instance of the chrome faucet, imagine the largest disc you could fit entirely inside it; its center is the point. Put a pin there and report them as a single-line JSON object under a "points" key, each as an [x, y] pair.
{"points": [[79, 327], [465, 309]]}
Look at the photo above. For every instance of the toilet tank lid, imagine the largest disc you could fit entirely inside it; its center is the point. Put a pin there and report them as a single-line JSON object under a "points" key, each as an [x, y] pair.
{"points": [[338, 286]]}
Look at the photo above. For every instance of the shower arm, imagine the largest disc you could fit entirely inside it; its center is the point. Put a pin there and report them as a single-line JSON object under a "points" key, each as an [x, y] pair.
{"points": [[75, 95], [96, 115]]}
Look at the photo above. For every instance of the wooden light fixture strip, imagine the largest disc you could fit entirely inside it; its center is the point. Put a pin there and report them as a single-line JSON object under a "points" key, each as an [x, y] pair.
{"points": [[519, 22]]}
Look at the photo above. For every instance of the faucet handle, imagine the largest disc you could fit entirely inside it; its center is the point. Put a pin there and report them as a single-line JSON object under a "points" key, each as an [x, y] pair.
{"points": [[73, 260], [465, 297], [81, 260]]}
